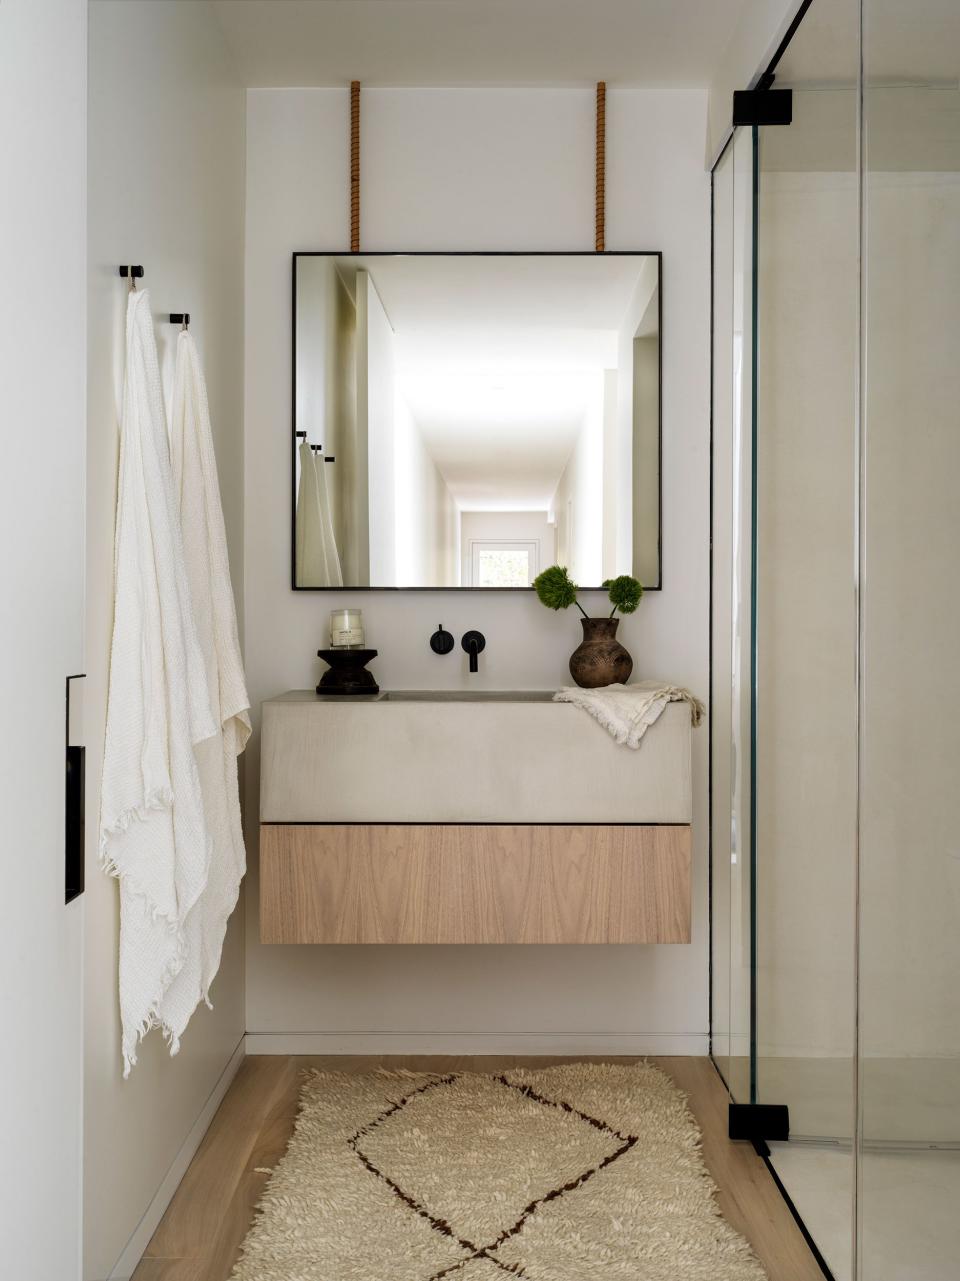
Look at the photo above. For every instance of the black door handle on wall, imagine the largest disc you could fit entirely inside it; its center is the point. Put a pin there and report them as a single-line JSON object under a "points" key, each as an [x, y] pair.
{"points": [[74, 813]]}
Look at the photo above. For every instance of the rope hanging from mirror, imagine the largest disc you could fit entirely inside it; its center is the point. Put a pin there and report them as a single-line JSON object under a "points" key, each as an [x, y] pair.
{"points": [[355, 166], [601, 207]]}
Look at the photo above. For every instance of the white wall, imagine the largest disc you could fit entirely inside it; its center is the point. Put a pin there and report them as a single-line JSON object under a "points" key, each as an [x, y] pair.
{"points": [[478, 169], [636, 478], [165, 190], [376, 403], [326, 325], [645, 472], [42, 372], [427, 517], [577, 502], [327, 403], [317, 286]]}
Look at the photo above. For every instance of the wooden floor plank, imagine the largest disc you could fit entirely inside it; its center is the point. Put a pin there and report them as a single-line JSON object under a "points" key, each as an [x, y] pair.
{"points": [[224, 1249], [201, 1233], [196, 1211], [171, 1270], [747, 1195]]}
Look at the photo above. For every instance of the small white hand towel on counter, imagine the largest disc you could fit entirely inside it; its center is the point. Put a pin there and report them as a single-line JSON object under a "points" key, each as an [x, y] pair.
{"points": [[628, 711], [208, 572], [153, 835]]}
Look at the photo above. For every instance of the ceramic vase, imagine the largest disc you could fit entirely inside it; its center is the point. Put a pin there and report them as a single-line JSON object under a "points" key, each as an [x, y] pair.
{"points": [[600, 659]]}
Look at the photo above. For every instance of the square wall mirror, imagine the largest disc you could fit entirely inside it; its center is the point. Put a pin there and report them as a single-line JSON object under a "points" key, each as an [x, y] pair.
{"points": [[465, 420]]}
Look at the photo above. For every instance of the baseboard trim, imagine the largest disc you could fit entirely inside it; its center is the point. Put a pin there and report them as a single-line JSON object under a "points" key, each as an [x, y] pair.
{"points": [[133, 1251], [519, 1043]]}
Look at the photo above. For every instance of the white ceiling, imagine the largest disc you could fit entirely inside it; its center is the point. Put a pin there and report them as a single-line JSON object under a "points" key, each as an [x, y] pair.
{"points": [[523, 309], [501, 439], [304, 43]]}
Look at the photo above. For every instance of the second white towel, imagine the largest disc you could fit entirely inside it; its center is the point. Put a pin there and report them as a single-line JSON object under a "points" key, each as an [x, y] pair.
{"points": [[208, 573]]}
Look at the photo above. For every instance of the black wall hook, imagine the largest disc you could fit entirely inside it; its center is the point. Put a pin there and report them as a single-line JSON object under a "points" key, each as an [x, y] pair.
{"points": [[180, 318], [131, 271]]}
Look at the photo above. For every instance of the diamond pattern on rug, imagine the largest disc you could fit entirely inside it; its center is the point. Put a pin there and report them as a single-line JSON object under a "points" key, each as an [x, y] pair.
{"points": [[580, 1172], [523, 1150]]}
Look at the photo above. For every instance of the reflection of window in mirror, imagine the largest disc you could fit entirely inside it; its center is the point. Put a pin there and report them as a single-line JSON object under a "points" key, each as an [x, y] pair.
{"points": [[489, 415], [502, 563]]}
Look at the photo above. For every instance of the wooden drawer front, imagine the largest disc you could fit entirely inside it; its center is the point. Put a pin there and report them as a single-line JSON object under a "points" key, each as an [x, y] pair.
{"points": [[357, 883]]}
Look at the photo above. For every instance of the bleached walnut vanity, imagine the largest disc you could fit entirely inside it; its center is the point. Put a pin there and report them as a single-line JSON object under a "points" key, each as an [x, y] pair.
{"points": [[465, 817]]}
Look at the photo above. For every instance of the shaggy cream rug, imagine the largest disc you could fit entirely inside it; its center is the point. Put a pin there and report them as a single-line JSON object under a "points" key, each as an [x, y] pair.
{"points": [[569, 1173]]}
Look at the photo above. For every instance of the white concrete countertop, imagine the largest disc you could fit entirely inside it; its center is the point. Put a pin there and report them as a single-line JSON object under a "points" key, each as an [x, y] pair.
{"points": [[465, 756]]}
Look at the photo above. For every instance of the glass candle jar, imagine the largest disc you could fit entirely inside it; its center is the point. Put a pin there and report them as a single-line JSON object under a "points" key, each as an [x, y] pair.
{"points": [[346, 629]]}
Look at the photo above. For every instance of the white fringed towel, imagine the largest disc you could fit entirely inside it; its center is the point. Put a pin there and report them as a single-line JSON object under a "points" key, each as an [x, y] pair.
{"points": [[208, 573], [628, 711], [153, 836]]}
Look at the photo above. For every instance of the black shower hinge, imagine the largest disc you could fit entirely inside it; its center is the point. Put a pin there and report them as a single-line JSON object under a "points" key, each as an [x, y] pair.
{"points": [[758, 1121], [762, 106]]}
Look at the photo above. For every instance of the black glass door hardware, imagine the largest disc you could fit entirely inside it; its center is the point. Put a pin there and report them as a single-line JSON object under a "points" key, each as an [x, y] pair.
{"points": [[758, 1121], [762, 107]]}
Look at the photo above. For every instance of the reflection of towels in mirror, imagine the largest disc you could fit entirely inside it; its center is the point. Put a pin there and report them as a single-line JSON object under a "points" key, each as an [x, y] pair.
{"points": [[318, 563], [334, 577]]}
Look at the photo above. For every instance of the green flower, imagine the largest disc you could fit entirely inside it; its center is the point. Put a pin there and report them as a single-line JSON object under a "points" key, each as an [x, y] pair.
{"points": [[624, 593], [556, 589]]}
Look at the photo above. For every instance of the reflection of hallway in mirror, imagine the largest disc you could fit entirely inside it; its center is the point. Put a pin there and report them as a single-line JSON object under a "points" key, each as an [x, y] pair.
{"points": [[489, 414]]}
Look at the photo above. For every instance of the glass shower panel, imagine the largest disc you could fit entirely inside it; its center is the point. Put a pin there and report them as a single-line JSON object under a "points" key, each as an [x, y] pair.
{"points": [[730, 737], [805, 636], [720, 748], [741, 615], [909, 1010], [835, 749]]}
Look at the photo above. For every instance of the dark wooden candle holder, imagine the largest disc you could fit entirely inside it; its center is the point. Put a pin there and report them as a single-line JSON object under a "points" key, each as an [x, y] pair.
{"points": [[346, 673]]}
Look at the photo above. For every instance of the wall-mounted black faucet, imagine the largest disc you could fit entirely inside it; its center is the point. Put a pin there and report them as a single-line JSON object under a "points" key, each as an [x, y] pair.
{"points": [[473, 643]]}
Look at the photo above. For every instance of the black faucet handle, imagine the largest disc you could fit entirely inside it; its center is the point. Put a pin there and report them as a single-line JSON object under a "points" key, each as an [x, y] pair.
{"points": [[441, 642]]}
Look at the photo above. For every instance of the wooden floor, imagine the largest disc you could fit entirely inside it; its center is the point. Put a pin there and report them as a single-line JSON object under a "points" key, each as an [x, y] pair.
{"points": [[199, 1236]]}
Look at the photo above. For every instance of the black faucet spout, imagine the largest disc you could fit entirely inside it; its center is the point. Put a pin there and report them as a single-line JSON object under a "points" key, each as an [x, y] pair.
{"points": [[472, 644]]}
